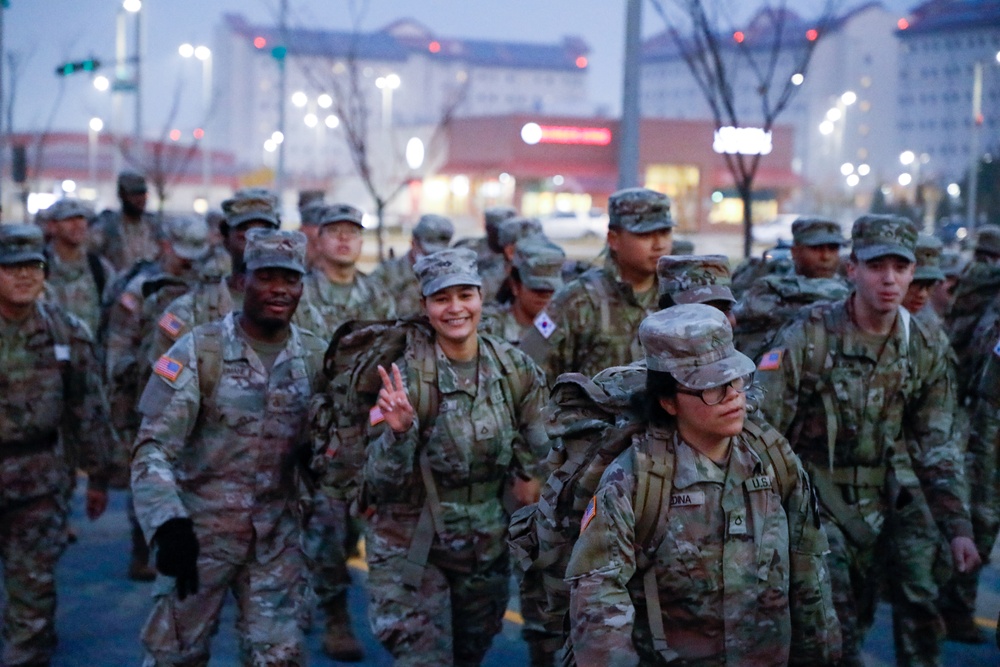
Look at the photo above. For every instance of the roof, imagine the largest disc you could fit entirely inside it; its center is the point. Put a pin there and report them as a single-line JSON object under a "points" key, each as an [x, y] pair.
{"points": [[951, 15], [404, 38]]}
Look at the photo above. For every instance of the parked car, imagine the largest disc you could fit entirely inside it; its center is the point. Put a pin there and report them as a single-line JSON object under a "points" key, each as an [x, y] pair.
{"points": [[769, 233], [575, 224]]}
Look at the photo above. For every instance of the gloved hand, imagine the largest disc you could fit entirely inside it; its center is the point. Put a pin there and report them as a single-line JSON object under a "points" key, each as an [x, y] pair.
{"points": [[177, 554]]}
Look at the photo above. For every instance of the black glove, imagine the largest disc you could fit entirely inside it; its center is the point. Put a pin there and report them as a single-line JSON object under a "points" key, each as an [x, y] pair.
{"points": [[177, 554]]}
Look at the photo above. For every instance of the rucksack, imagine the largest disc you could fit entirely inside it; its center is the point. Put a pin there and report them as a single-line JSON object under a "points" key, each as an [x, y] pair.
{"points": [[975, 290], [591, 422]]}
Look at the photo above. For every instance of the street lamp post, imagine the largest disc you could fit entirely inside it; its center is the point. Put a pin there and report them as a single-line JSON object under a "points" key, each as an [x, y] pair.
{"points": [[387, 84], [977, 122], [204, 54], [95, 126]]}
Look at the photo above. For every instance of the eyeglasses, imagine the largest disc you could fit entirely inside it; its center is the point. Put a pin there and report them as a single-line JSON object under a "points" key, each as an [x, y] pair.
{"points": [[715, 395]]}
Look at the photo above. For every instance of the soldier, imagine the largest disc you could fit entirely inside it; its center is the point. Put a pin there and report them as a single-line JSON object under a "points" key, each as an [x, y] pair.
{"points": [[513, 230], [432, 233], [927, 275], [951, 265], [130, 317], [536, 274], [489, 252], [842, 383], [230, 397], [773, 301], [130, 235], [695, 279], [310, 204], [50, 395], [726, 594], [220, 294], [592, 322], [436, 549], [76, 277]]}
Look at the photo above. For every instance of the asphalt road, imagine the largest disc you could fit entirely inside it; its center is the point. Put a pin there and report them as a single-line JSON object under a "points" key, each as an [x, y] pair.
{"points": [[101, 612]]}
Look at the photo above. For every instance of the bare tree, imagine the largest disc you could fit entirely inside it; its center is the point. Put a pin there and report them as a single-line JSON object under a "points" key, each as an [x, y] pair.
{"points": [[730, 63]]}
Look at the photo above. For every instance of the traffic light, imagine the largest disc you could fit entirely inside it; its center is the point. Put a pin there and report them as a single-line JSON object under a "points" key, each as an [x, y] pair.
{"points": [[89, 65]]}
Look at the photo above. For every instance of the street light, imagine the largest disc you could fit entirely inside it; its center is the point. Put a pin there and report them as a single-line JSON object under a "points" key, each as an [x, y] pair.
{"points": [[387, 84], [204, 54], [101, 83], [906, 158], [95, 126], [132, 6]]}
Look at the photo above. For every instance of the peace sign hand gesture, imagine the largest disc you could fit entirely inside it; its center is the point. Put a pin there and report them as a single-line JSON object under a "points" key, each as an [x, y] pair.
{"points": [[393, 401]]}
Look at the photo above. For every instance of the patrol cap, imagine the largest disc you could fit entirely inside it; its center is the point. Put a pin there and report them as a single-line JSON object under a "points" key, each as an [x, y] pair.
{"points": [[695, 278], [131, 182], [275, 249], [988, 240], [875, 236], [816, 231], [539, 263], [951, 263], [639, 210], [445, 268], [21, 243], [250, 204], [513, 230], [928, 254], [307, 197], [694, 343], [682, 247], [497, 214], [66, 208], [340, 213], [310, 213], [188, 236], [434, 232]]}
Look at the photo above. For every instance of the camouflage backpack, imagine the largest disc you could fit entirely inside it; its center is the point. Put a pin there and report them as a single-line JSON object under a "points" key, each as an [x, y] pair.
{"points": [[977, 287], [591, 422]]}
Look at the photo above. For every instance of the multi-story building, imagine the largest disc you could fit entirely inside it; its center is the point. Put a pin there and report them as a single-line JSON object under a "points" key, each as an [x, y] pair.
{"points": [[842, 110], [406, 77], [940, 44]]}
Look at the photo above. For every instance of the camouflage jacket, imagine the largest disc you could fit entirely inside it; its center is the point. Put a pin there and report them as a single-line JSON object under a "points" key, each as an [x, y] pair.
{"points": [[399, 280], [871, 396], [499, 321], [772, 302], [479, 437], [740, 573], [50, 390], [73, 286], [220, 436], [596, 323], [121, 243], [368, 300]]}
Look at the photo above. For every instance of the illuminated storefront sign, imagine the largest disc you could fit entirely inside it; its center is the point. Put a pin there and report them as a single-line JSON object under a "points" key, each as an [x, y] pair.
{"points": [[742, 140], [533, 133]]}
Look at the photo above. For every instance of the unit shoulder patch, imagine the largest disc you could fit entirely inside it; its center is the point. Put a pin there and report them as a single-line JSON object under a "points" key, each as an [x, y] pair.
{"points": [[545, 325]]}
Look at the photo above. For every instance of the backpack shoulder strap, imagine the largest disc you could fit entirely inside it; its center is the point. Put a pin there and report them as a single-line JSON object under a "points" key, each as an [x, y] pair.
{"points": [[98, 273], [598, 291], [208, 350], [766, 445]]}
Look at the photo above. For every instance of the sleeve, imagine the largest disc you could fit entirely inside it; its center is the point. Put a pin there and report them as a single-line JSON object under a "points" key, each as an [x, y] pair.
{"points": [[531, 448], [779, 374], [87, 422], [816, 637], [169, 406], [391, 456], [602, 614], [936, 455]]}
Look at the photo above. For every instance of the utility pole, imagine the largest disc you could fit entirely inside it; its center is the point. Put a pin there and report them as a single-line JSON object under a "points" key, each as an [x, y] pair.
{"points": [[3, 128], [977, 120], [282, 95], [139, 148], [628, 136]]}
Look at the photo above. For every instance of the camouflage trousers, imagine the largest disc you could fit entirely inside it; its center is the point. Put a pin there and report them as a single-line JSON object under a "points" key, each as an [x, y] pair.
{"points": [[326, 541], [450, 619], [32, 538], [178, 632]]}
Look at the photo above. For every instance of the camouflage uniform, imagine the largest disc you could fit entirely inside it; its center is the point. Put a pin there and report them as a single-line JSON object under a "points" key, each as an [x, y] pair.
{"points": [[867, 464], [432, 233], [491, 265], [121, 242], [738, 557], [592, 322], [50, 391], [212, 405], [447, 611], [684, 279]]}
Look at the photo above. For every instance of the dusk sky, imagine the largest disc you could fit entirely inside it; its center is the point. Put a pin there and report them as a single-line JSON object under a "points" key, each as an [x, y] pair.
{"points": [[44, 33]]}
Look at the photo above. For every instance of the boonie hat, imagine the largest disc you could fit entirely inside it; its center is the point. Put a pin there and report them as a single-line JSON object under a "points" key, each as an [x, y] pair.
{"points": [[445, 268], [876, 236], [513, 230], [694, 343], [250, 204], [539, 263], [66, 208], [928, 254], [188, 236], [275, 249], [21, 243], [816, 231], [434, 232], [694, 278], [340, 213], [639, 210]]}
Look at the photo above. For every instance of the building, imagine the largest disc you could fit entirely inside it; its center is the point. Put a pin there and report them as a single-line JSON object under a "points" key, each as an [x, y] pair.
{"points": [[940, 44], [842, 112]]}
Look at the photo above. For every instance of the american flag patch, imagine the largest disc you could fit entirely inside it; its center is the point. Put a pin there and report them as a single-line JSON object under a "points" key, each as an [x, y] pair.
{"points": [[770, 361], [375, 416], [168, 368], [589, 514], [129, 302], [171, 325]]}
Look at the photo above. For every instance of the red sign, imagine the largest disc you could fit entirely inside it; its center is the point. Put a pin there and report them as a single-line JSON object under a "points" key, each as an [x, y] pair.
{"points": [[533, 133]]}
